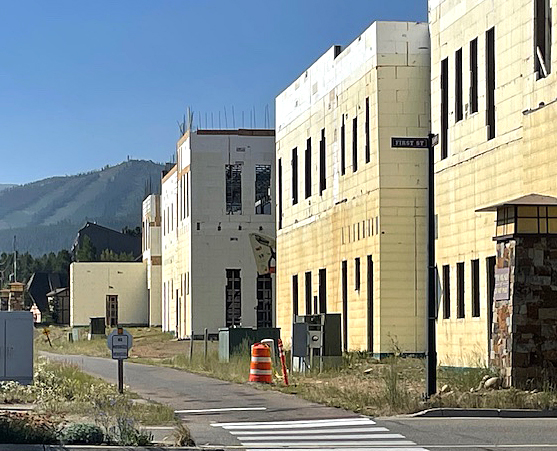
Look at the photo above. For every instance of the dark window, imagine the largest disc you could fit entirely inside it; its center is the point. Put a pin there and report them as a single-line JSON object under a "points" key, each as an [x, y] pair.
{"points": [[354, 144], [322, 163], [345, 305], [233, 298], [308, 293], [370, 303], [458, 85], [368, 150], [264, 301], [475, 264], [323, 290], [460, 290], [474, 76], [295, 294], [262, 189], [542, 38], [233, 189], [490, 269], [294, 176], [357, 273], [308, 168], [444, 108], [446, 291], [280, 193], [342, 148], [490, 82]]}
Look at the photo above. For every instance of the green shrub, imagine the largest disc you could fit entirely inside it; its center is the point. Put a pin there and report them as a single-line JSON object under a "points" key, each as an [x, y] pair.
{"points": [[23, 427], [82, 434]]}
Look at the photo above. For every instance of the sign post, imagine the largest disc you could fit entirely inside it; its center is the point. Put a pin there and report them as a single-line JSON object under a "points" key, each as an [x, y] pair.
{"points": [[428, 143], [120, 342]]}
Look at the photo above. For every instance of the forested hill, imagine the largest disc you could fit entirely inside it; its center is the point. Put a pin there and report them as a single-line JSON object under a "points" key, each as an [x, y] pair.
{"points": [[46, 215]]}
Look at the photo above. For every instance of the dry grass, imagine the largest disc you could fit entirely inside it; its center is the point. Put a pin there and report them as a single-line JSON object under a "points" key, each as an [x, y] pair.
{"points": [[362, 384]]}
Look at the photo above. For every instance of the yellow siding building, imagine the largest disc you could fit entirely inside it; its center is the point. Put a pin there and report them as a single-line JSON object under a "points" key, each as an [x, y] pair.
{"points": [[493, 87], [351, 211]]}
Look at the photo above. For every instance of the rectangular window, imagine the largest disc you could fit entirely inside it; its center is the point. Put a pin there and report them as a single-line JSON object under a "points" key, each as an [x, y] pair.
{"points": [[542, 38], [264, 301], [262, 189], [490, 82], [458, 86], [369, 303], [294, 176], [490, 270], [444, 108], [308, 292], [460, 290], [357, 274], [345, 305], [354, 144], [446, 291], [280, 193], [323, 290], [295, 294], [308, 168], [233, 303], [368, 150], [474, 75], [475, 265], [233, 189], [342, 148], [322, 163]]}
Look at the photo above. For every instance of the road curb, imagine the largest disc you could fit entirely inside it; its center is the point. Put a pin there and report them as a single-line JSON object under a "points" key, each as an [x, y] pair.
{"points": [[500, 413]]}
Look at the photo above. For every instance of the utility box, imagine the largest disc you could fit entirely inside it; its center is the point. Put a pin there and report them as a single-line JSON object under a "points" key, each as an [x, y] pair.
{"points": [[16, 346], [233, 340], [316, 341]]}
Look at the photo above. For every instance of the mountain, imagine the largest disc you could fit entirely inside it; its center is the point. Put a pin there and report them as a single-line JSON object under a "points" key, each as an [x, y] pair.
{"points": [[46, 215], [4, 186]]}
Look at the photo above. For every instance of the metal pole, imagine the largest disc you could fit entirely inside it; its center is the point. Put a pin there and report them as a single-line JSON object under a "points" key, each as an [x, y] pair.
{"points": [[121, 375], [206, 341], [191, 345], [431, 353]]}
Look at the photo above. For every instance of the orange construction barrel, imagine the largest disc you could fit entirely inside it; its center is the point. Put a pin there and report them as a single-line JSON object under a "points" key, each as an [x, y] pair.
{"points": [[260, 367]]}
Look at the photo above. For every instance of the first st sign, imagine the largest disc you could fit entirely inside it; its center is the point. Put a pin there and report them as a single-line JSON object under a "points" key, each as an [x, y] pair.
{"points": [[119, 342]]}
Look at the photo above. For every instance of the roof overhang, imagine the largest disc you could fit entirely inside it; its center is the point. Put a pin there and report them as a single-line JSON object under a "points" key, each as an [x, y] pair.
{"points": [[529, 200]]}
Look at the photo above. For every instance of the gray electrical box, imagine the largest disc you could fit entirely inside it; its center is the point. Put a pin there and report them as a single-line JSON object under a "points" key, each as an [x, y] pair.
{"points": [[316, 341], [16, 346]]}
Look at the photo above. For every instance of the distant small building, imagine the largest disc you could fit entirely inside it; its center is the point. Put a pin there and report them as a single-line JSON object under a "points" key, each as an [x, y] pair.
{"points": [[16, 299], [115, 290], [40, 284], [102, 238], [59, 305], [4, 296]]}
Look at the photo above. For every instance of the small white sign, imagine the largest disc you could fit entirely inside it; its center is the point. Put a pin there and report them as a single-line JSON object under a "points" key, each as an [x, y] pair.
{"points": [[119, 343]]}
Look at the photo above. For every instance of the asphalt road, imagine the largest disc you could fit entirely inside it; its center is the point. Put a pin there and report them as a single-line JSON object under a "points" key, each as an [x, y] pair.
{"points": [[223, 414]]}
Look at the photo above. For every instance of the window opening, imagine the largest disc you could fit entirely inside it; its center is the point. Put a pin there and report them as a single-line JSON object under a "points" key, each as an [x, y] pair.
{"points": [[308, 293], [295, 294], [370, 303], [345, 305], [542, 37], [458, 85], [233, 189], [280, 193], [308, 168], [460, 290], [342, 148], [475, 264], [264, 300], [357, 273], [444, 108], [474, 76], [355, 144], [446, 291], [323, 290], [262, 189], [322, 163], [294, 176], [368, 150], [490, 82], [233, 298]]}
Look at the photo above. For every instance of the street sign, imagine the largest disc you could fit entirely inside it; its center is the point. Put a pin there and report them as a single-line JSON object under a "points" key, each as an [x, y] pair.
{"points": [[414, 143], [119, 342]]}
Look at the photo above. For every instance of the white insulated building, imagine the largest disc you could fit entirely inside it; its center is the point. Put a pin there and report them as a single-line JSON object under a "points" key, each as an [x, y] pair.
{"points": [[220, 190]]}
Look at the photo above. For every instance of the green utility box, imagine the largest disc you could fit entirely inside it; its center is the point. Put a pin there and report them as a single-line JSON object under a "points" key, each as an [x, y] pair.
{"points": [[236, 339]]}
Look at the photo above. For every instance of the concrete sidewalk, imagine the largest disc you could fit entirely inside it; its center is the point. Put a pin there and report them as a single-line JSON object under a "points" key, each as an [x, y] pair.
{"points": [[98, 448], [479, 413]]}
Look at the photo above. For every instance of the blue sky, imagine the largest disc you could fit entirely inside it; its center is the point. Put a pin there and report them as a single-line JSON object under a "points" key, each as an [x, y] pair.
{"points": [[89, 83]]}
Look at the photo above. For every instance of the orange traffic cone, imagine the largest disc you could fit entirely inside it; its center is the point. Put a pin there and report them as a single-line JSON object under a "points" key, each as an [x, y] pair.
{"points": [[260, 367]]}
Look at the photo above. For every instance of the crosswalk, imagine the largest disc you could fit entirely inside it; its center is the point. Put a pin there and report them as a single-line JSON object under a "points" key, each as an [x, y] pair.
{"points": [[350, 434]]}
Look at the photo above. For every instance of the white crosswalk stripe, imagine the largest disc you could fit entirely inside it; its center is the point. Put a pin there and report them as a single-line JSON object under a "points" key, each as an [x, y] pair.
{"points": [[350, 434]]}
